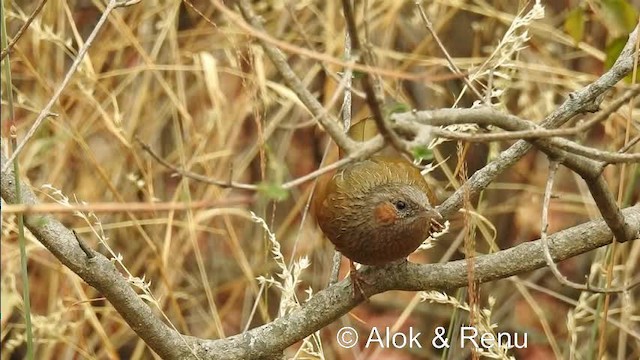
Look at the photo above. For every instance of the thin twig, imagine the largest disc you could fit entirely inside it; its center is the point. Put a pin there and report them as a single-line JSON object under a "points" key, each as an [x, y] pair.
{"points": [[195, 176], [535, 131], [485, 116], [606, 156], [606, 204], [22, 29], [256, 30], [44, 113], [336, 259], [553, 167], [453, 66], [280, 62], [348, 78], [83, 246], [630, 144], [387, 133], [359, 154], [343, 84], [254, 307]]}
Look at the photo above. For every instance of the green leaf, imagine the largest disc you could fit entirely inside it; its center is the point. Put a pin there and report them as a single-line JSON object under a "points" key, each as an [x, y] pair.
{"points": [[613, 50], [422, 153], [619, 16], [574, 24], [356, 74], [41, 221], [273, 191], [396, 107]]}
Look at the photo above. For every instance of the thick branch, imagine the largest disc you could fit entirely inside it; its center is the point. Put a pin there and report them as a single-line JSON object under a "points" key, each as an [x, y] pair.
{"points": [[335, 301], [322, 309], [580, 101], [98, 272], [486, 116]]}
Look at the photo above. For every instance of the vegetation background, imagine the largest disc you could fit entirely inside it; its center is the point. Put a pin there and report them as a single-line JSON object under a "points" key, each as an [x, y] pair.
{"points": [[197, 88]]}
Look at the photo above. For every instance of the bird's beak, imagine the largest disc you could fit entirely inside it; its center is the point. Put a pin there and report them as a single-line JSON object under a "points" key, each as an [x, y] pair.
{"points": [[435, 219], [433, 214]]}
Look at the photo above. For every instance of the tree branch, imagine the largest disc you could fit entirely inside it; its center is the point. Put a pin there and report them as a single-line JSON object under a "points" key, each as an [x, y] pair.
{"points": [[98, 271], [329, 123], [22, 29], [585, 99], [46, 111], [335, 301], [322, 309]]}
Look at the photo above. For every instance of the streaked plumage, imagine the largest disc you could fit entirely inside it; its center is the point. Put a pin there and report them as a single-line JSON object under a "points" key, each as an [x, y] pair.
{"points": [[377, 210]]}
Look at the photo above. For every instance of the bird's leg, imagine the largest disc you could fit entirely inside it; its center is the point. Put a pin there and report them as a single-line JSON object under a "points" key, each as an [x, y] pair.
{"points": [[356, 281]]}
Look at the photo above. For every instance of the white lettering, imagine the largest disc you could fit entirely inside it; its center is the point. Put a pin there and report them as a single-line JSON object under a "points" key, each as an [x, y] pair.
{"points": [[389, 339], [414, 339], [403, 340], [515, 341], [487, 340], [463, 336], [374, 336]]}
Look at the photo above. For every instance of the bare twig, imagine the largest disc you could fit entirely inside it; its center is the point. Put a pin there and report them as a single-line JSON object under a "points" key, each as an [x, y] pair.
{"points": [[44, 113], [454, 67], [22, 29], [535, 132], [553, 167], [387, 133], [630, 144], [606, 204], [487, 116], [344, 83], [280, 62], [348, 78], [363, 152], [346, 122], [195, 176], [323, 308], [605, 156]]}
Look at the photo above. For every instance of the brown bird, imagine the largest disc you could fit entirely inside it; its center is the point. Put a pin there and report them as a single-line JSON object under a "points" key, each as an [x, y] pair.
{"points": [[376, 211]]}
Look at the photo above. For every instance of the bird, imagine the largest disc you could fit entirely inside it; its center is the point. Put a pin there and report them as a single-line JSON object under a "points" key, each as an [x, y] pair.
{"points": [[376, 211]]}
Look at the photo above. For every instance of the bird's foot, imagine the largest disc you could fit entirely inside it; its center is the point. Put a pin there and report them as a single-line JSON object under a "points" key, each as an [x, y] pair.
{"points": [[356, 281]]}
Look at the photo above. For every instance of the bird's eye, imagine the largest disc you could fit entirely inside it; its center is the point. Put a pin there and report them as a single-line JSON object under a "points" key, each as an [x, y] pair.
{"points": [[401, 205]]}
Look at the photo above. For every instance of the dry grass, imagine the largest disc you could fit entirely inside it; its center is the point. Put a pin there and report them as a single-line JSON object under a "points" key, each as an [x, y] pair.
{"points": [[208, 100]]}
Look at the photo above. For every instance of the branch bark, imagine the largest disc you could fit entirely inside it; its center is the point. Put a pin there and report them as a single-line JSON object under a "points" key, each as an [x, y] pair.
{"points": [[585, 99], [269, 340], [323, 308], [98, 271]]}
